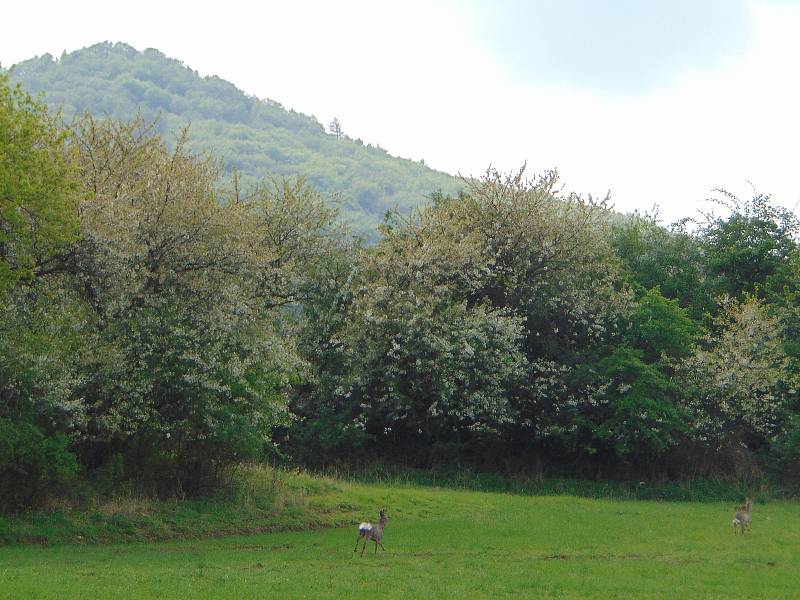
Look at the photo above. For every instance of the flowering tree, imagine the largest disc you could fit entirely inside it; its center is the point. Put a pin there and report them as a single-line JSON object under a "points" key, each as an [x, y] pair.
{"points": [[739, 384], [38, 187]]}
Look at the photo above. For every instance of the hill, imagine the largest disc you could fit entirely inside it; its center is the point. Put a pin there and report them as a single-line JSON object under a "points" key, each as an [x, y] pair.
{"points": [[260, 138]]}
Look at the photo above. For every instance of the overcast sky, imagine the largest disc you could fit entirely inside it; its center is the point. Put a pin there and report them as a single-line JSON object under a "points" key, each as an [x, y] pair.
{"points": [[657, 101]]}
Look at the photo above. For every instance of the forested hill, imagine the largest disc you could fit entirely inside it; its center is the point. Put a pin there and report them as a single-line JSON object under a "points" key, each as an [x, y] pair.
{"points": [[259, 137]]}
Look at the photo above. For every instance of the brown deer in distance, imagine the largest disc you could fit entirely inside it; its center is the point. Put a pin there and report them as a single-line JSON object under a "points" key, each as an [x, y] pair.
{"points": [[743, 516], [368, 531]]}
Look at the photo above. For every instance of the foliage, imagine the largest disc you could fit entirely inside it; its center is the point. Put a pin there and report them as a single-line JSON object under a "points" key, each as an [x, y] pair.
{"points": [[32, 465], [638, 416], [159, 337], [748, 251], [402, 366], [186, 290], [459, 305], [547, 259], [739, 390], [785, 454], [46, 333], [424, 371], [671, 260], [593, 369], [661, 328], [37, 187], [326, 423], [164, 320]]}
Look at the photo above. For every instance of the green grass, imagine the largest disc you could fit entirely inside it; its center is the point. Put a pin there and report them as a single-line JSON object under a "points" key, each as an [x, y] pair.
{"points": [[441, 543], [265, 499]]}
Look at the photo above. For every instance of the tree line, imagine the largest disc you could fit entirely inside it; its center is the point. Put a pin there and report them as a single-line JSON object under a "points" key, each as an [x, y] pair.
{"points": [[161, 322]]}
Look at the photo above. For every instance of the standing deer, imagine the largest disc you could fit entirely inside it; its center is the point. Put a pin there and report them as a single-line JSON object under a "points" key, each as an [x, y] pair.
{"points": [[368, 531], [743, 516]]}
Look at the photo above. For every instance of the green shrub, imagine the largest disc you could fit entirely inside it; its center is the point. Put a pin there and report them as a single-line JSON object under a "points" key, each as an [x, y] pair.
{"points": [[31, 464], [784, 457]]}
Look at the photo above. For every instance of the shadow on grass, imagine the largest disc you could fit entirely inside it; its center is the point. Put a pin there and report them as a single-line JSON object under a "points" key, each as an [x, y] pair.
{"points": [[697, 490]]}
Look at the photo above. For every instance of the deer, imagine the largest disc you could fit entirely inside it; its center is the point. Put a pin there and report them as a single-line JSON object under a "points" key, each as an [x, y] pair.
{"points": [[743, 515], [368, 531]]}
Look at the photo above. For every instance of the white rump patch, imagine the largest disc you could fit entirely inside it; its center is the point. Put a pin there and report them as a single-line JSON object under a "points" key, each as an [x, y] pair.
{"points": [[365, 527]]}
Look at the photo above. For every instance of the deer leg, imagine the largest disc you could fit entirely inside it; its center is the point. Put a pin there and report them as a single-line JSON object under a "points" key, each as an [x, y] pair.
{"points": [[365, 546], [382, 548], [376, 546], [358, 539]]}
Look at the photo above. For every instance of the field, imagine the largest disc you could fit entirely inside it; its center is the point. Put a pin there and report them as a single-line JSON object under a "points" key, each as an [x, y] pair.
{"points": [[441, 543]]}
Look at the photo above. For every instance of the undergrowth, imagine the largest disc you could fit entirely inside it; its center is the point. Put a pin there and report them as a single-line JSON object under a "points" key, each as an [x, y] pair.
{"points": [[690, 490]]}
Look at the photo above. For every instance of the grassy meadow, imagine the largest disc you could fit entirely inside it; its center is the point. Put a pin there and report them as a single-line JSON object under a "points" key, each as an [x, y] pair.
{"points": [[440, 543]]}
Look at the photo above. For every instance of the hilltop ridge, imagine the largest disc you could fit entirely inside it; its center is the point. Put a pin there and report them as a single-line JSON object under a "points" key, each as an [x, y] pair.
{"points": [[258, 137]]}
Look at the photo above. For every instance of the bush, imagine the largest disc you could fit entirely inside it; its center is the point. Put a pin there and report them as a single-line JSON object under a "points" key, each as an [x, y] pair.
{"points": [[325, 434], [785, 454], [31, 464]]}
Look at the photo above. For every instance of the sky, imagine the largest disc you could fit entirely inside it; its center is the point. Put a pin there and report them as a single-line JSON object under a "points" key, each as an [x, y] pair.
{"points": [[658, 102]]}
